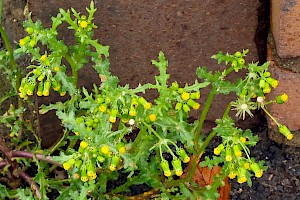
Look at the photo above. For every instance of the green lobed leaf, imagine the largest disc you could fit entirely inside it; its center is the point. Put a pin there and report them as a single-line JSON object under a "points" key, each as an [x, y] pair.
{"points": [[67, 82], [57, 106]]}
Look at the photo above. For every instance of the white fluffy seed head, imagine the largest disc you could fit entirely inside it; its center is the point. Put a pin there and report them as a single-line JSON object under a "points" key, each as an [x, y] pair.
{"points": [[244, 106], [260, 99], [131, 122]]}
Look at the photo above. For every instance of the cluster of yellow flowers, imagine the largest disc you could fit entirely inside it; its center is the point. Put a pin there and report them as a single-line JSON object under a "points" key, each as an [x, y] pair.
{"points": [[83, 163], [239, 166]]}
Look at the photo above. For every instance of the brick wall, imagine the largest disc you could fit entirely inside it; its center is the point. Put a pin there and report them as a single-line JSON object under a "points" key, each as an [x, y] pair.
{"points": [[284, 54]]}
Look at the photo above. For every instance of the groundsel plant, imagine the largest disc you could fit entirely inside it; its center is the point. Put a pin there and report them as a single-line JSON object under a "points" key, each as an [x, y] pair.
{"points": [[112, 134]]}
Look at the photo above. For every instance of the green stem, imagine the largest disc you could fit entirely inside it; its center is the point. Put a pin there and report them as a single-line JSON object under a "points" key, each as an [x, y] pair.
{"points": [[153, 131], [74, 69], [266, 111], [200, 123], [15, 68], [12, 61], [227, 110], [203, 147], [1, 11], [198, 155], [59, 142]]}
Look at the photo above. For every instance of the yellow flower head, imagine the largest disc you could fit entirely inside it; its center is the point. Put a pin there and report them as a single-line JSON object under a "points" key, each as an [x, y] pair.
{"points": [[105, 149], [259, 173], [246, 165], [102, 108], [148, 105], [284, 97], [242, 179], [217, 151], [83, 24], [63, 93], [274, 84], [66, 166], [185, 96], [232, 175], [93, 176], [167, 173], [152, 117], [122, 150], [84, 178], [178, 172], [243, 139], [56, 68], [112, 168], [22, 42], [83, 144], [43, 57]]}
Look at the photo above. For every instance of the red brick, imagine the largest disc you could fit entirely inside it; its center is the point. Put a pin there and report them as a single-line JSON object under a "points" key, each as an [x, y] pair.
{"points": [[285, 26], [289, 112]]}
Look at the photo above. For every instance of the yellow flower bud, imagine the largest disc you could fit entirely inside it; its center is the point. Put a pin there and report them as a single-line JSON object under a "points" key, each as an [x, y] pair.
{"points": [[43, 57], [83, 144], [243, 140], [185, 96], [105, 149], [232, 175], [83, 24], [152, 117]]}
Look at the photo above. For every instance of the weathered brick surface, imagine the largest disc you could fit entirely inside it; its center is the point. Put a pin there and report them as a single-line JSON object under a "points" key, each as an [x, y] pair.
{"points": [[289, 112], [188, 32], [285, 26]]}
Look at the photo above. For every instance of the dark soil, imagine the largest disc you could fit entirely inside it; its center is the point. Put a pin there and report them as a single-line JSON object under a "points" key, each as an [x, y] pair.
{"points": [[281, 181]]}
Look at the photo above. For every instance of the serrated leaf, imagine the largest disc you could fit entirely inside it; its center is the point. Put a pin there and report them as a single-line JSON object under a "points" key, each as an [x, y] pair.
{"points": [[225, 87], [56, 21], [162, 65], [5, 192], [196, 86], [62, 158], [186, 192], [24, 194], [57, 106], [67, 82]]}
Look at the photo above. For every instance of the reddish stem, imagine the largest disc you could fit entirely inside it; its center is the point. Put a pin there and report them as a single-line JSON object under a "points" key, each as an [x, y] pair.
{"points": [[24, 154], [3, 163], [32, 184], [5, 150]]}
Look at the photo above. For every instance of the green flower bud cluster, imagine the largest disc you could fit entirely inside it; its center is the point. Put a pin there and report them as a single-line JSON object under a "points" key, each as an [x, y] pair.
{"points": [[266, 82], [282, 98], [83, 163], [243, 168], [186, 100], [10, 120], [237, 61], [84, 24], [31, 40], [41, 77], [90, 122], [284, 130], [125, 108], [176, 162], [43, 81], [232, 152], [259, 83], [237, 165]]}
